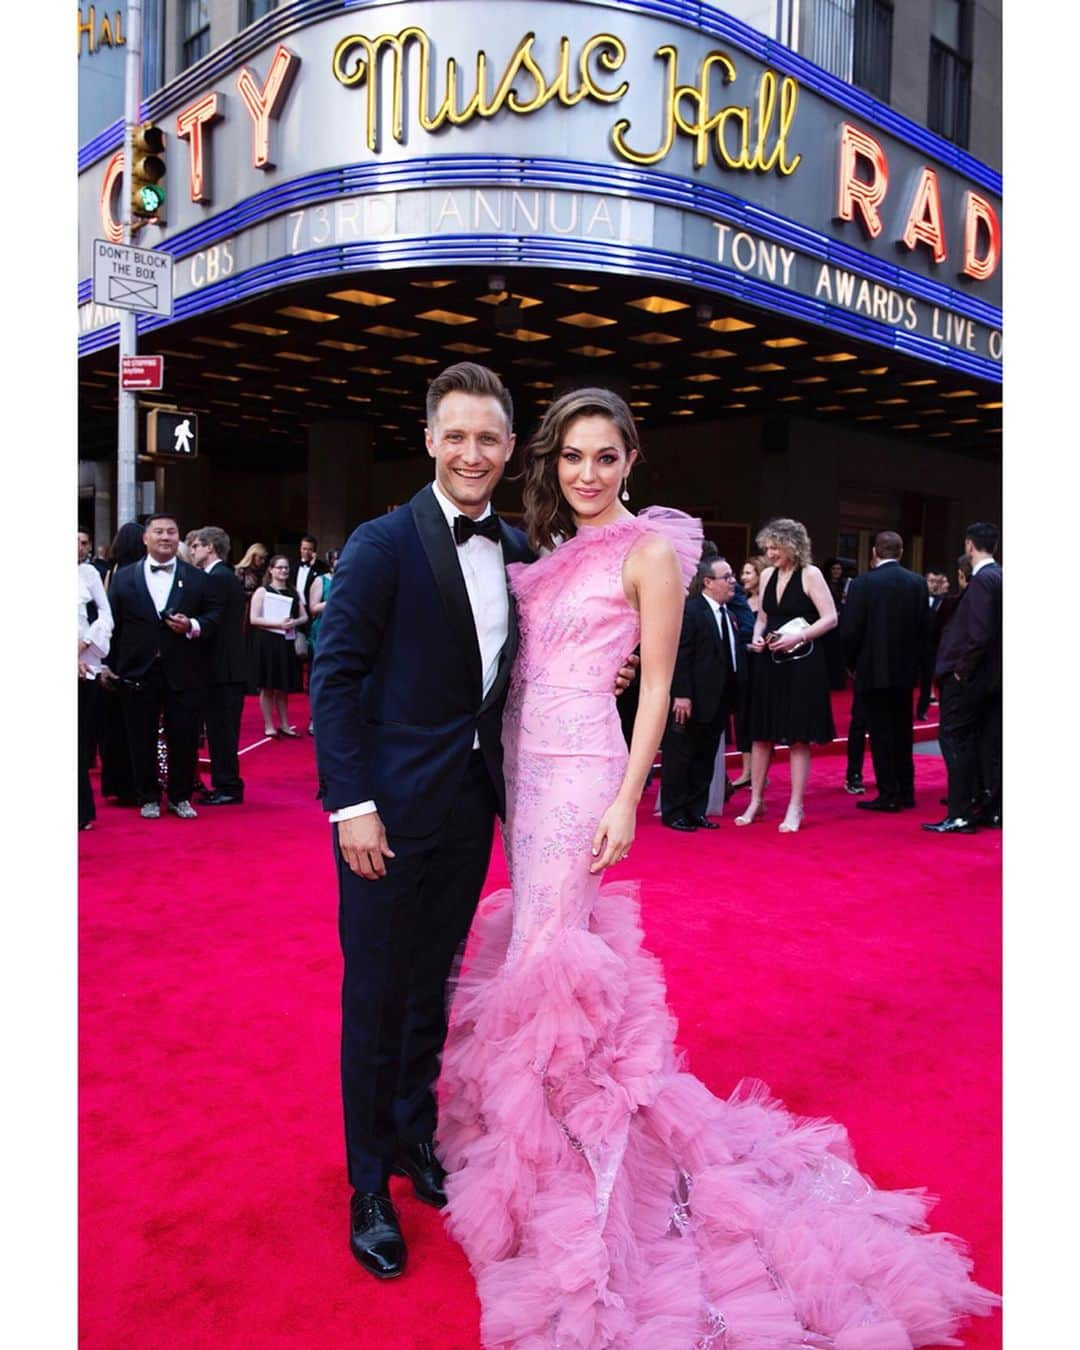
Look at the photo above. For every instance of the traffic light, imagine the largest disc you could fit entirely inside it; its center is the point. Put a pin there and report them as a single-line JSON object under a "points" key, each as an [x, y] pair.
{"points": [[147, 171]]}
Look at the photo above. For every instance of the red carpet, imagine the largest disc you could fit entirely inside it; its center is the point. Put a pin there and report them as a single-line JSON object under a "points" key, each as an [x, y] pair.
{"points": [[855, 967]]}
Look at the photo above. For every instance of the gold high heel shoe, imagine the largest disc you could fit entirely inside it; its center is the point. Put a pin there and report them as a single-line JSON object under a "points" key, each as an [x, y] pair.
{"points": [[786, 826], [753, 812]]}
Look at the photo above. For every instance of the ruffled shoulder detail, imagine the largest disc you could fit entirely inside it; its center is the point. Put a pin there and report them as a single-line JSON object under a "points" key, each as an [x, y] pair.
{"points": [[685, 533]]}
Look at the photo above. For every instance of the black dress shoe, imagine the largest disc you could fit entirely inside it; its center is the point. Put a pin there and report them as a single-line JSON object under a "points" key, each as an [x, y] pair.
{"points": [[878, 804], [950, 825], [704, 823], [375, 1234], [680, 823], [419, 1163], [907, 803], [221, 799]]}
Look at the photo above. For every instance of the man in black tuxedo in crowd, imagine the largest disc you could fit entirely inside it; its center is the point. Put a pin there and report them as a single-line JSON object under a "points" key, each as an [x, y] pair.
{"points": [[884, 628], [937, 584], [86, 555], [305, 571], [704, 688], [163, 613], [969, 673], [226, 667]]}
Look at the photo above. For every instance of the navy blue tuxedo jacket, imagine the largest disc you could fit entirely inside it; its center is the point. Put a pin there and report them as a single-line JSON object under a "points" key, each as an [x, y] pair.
{"points": [[703, 671], [396, 683], [139, 635]]}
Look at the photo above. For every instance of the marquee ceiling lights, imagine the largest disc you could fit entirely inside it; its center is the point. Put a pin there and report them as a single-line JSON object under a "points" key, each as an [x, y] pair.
{"points": [[855, 389], [370, 370], [410, 359], [330, 379], [297, 356], [585, 320], [764, 366], [830, 407], [466, 348], [658, 304], [714, 354], [264, 329], [526, 335], [369, 298], [728, 325], [659, 365], [654, 339], [542, 384], [592, 351], [218, 342], [746, 389], [387, 331], [250, 365], [703, 376], [889, 402], [962, 393], [875, 370], [447, 316], [989, 405], [813, 379], [339, 346], [830, 357], [310, 315], [433, 285], [217, 375], [917, 384], [575, 286], [784, 342], [497, 298]]}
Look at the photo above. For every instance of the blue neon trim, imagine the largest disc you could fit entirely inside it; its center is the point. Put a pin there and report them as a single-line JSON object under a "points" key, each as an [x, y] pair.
{"points": [[577, 254], [702, 18], [664, 189]]}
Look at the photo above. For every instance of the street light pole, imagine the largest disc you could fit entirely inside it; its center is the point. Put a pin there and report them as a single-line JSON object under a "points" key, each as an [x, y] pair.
{"points": [[126, 439]]}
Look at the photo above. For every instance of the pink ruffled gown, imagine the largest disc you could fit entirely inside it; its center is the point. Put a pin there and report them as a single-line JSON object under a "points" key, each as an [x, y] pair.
{"points": [[604, 1197]]}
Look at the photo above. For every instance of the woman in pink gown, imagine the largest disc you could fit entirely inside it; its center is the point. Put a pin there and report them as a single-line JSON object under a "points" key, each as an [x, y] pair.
{"points": [[604, 1197]]}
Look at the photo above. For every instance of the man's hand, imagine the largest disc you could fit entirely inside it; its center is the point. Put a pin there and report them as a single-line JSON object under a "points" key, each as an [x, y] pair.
{"points": [[179, 623], [683, 710], [363, 845], [627, 673]]}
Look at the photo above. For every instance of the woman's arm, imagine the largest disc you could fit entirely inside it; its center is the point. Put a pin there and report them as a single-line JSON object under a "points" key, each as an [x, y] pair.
{"points": [[817, 588], [651, 576], [301, 613], [317, 605], [255, 612], [757, 642]]}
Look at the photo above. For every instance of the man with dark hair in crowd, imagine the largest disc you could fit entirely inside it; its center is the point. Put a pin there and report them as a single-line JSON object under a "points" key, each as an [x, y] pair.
{"points": [[937, 584], [704, 690], [162, 613], [86, 554], [969, 671], [306, 570], [884, 630], [226, 667]]}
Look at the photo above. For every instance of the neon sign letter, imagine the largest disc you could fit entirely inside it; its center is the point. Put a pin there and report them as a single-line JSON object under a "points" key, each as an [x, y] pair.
{"points": [[189, 124], [924, 219], [267, 102], [858, 193]]}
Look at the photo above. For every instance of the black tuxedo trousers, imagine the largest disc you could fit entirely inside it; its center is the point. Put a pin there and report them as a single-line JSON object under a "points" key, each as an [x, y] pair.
{"points": [[399, 936], [888, 720], [686, 766], [223, 705], [143, 701]]}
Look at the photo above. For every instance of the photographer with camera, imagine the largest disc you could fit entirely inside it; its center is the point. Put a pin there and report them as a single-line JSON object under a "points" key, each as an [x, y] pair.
{"points": [[162, 609]]}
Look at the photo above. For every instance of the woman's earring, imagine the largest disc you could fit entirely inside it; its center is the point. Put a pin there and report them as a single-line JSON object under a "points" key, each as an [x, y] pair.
{"points": [[625, 494]]}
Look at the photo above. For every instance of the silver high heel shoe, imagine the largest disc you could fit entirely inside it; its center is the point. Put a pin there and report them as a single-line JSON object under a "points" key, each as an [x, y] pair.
{"points": [[753, 813], [791, 822]]}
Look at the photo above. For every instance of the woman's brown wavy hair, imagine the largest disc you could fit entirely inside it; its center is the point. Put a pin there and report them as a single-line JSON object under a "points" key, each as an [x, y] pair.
{"points": [[547, 515]]}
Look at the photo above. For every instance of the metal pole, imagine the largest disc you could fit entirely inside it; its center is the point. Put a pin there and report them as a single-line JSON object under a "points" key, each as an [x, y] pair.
{"points": [[127, 431]]}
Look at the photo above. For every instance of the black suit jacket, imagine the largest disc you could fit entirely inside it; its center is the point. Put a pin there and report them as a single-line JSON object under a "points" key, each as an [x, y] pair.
{"points": [[139, 635], [703, 669], [971, 640], [884, 625], [396, 683], [225, 652]]}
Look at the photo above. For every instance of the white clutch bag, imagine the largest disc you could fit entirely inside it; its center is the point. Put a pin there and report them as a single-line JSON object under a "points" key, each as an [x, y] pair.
{"points": [[793, 628]]}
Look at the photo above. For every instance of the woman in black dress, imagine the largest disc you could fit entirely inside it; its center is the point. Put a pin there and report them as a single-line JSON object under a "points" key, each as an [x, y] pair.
{"points": [[750, 577], [277, 668], [251, 569], [791, 697]]}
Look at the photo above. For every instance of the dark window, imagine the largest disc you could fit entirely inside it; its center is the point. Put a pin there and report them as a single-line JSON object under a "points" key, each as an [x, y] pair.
{"points": [[949, 108], [195, 34], [250, 10], [153, 54], [826, 33], [872, 64]]}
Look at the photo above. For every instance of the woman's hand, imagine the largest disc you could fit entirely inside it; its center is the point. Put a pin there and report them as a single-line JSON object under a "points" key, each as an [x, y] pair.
{"points": [[785, 642], [756, 644], [614, 835]]}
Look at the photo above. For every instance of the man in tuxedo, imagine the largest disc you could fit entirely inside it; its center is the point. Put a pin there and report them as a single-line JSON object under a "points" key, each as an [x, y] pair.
{"points": [[937, 585], [969, 671], [226, 667], [704, 690], [305, 571], [86, 555], [163, 615], [884, 631], [408, 684]]}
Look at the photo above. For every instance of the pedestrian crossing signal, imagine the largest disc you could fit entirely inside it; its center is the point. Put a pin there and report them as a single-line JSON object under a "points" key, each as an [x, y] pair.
{"points": [[171, 434], [147, 171]]}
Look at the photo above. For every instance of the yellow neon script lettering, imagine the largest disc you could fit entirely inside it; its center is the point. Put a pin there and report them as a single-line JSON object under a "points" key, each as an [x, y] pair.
{"points": [[701, 124], [356, 61]]}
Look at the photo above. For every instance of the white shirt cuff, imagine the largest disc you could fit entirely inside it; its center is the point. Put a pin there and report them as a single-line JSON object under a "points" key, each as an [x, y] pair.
{"points": [[194, 630], [350, 812]]}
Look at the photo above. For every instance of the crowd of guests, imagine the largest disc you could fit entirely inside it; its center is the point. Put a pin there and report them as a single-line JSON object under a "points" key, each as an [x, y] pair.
{"points": [[760, 654], [171, 638]]}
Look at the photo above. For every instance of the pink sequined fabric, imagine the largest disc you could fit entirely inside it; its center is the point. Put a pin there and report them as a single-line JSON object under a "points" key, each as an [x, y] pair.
{"points": [[603, 1196]]}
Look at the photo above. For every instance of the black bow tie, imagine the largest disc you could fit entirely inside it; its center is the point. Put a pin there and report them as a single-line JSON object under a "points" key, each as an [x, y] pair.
{"points": [[465, 528], [161, 567]]}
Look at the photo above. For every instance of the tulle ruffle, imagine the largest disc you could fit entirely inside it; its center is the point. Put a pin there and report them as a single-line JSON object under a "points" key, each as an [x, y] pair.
{"points": [[606, 1199], [684, 532]]}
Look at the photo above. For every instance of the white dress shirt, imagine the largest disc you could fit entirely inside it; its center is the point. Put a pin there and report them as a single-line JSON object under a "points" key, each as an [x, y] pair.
{"points": [[160, 583], [980, 565], [98, 633], [301, 577], [719, 610], [484, 574]]}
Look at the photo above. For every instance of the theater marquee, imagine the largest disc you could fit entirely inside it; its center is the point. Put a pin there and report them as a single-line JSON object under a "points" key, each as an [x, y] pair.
{"points": [[643, 143]]}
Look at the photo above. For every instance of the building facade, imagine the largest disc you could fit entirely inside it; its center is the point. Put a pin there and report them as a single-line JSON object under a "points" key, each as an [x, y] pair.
{"points": [[775, 228]]}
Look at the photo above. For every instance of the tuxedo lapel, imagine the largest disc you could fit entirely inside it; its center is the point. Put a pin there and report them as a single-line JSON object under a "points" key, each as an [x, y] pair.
{"points": [[143, 597], [442, 556]]}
